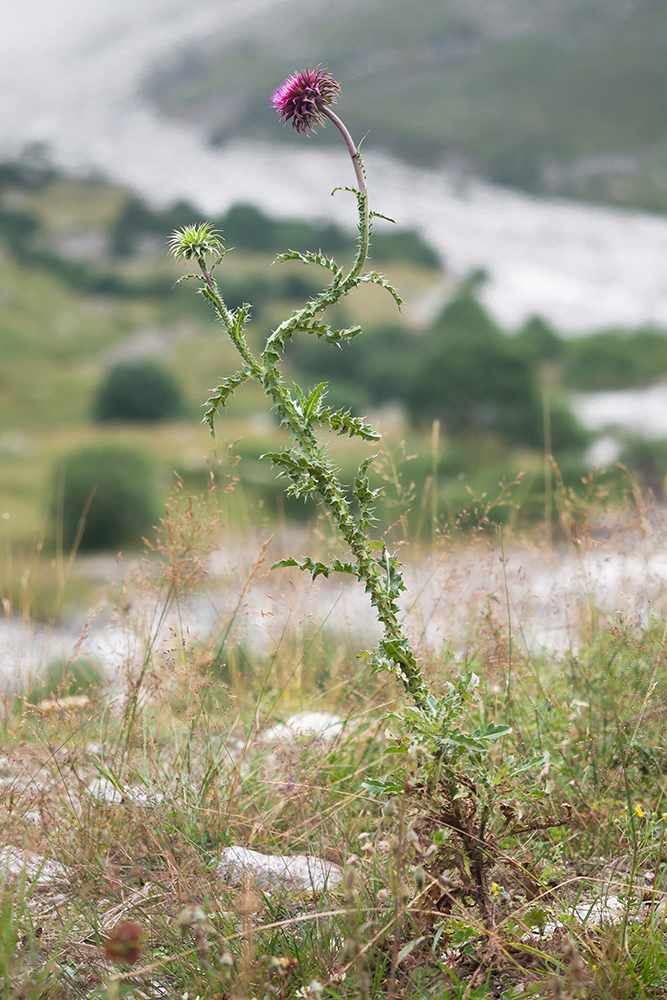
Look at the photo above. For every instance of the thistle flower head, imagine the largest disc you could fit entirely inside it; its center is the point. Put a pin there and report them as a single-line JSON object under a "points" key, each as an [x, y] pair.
{"points": [[303, 97], [195, 241]]}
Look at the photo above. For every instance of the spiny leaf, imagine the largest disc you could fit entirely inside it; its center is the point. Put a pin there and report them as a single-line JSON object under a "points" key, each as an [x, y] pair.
{"points": [[316, 568], [312, 404], [375, 278], [312, 258], [221, 394], [379, 215], [326, 332], [343, 422]]}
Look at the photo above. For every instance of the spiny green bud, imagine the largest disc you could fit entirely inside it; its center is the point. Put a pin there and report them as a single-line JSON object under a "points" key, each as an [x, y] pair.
{"points": [[390, 808], [195, 241]]}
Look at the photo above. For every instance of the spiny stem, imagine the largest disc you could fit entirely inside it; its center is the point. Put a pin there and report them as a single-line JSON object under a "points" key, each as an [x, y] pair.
{"points": [[395, 652]]}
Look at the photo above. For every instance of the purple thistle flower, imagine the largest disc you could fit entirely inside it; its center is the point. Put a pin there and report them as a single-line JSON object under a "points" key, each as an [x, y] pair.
{"points": [[303, 97]]}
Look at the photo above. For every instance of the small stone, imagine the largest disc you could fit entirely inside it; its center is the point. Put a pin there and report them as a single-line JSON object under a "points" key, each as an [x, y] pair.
{"points": [[14, 862], [6, 767], [297, 872], [105, 791], [320, 724], [140, 796]]}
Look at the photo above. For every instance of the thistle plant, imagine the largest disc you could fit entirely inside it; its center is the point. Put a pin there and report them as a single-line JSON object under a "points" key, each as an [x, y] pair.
{"points": [[460, 788], [304, 99]]}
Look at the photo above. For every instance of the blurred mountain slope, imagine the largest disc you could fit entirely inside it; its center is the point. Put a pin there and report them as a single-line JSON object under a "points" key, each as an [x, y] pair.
{"points": [[557, 96]]}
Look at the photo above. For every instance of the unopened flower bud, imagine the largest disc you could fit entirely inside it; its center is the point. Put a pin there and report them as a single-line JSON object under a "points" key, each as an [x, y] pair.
{"points": [[390, 808], [403, 894], [351, 950], [350, 893]]}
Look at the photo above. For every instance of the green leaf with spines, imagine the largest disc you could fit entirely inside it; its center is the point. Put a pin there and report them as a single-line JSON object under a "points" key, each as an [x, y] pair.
{"points": [[309, 257], [365, 495], [342, 422], [327, 333], [299, 469], [316, 568], [221, 394], [375, 278], [311, 408], [379, 215]]}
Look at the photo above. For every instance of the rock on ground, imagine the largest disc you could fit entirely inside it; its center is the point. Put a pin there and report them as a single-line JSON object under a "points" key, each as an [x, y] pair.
{"points": [[321, 724], [14, 862], [300, 873]]}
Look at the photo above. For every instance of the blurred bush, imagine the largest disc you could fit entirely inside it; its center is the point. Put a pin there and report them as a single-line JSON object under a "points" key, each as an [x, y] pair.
{"points": [[82, 677], [111, 489], [471, 376], [647, 461], [139, 228], [615, 359], [138, 390]]}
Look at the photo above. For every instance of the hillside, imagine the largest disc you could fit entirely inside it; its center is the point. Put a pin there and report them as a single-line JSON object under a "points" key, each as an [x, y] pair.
{"points": [[86, 283], [559, 97]]}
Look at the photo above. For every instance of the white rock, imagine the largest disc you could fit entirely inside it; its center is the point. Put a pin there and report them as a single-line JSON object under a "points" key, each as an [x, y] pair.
{"points": [[597, 912], [104, 790], [141, 796], [14, 862], [297, 872], [321, 724], [6, 766]]}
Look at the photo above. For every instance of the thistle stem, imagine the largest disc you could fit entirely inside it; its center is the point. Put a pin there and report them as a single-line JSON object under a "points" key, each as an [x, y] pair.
{"points": [[364, 229], [352, 149]]}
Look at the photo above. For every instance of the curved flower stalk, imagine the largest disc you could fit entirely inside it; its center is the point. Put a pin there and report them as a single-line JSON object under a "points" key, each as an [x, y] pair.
{"points": [[304, 99]]}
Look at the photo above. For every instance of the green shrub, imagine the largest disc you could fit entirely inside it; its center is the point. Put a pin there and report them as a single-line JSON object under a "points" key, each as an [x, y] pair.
{"points": [[111, 487], [138, 391], [472, 377], [82, 677]]}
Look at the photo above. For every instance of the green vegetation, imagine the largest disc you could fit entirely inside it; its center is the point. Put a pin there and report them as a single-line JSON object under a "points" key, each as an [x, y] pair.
{"points": [[615, 359], [66, 322], [120, 803], [141, 391], [61, 679], [106, 498]]}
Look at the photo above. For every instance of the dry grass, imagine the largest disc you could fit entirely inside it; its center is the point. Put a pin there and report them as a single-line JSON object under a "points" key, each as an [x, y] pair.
{"points": [[117, 803]]}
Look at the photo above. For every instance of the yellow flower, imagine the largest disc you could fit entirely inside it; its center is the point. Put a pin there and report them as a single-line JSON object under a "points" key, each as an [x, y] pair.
{"points": [[639, 811]]}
